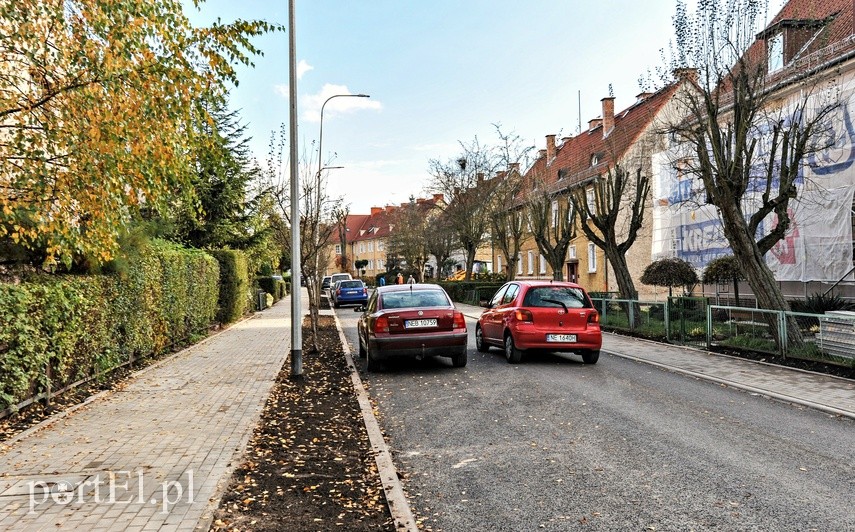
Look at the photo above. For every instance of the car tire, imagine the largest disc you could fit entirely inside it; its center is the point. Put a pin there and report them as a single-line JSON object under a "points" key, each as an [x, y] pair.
{"points": [[459, 360], [513, 354], [335, 304], [590, 357], [479, 340], [372, 365]]}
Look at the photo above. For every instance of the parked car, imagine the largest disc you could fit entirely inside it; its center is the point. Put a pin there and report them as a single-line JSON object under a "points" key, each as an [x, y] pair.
{"points": [[411, 320], [348, 292], [325, 282], [547, 315], [339, 277]]}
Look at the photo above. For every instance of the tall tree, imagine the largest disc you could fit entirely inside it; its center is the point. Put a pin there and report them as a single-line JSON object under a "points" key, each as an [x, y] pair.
{"points": [[409, 240], [440, 242], [506, 215], [96, 105], [611, 207], [464, 183], [340, 215], [552, 221], [744, 147]]}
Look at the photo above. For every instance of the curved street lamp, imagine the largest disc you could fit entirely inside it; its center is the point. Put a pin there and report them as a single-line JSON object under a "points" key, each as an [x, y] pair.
{"points": [[321, 132]]}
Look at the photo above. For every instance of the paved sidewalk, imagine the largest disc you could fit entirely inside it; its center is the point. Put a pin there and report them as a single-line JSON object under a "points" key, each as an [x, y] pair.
{"points": [[822, 392], [156, 454]]}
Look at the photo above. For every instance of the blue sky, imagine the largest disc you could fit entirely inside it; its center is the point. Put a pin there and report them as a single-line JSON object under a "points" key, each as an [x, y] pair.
{"points": [[438, 72]]}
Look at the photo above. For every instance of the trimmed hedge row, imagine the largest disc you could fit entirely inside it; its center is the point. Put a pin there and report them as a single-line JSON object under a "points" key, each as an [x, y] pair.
{"points": [[463, 291], [275, 287], [57, 330], [235, 297]]}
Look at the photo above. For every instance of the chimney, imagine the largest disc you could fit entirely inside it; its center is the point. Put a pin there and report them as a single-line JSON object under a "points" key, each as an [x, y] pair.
{"points": [[419, 201], [641, 96], [686, 74], [438, 197], [390, 209], [515, 167], [376, 210], [608, 115], [594, 123], [541, 154], [480, 177], [550, 148]]}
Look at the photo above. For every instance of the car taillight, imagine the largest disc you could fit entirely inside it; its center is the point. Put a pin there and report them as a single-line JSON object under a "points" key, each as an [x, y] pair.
{"points": [[381, 325], [522, 314], [338, 292], [594, 317], [459, 320]]}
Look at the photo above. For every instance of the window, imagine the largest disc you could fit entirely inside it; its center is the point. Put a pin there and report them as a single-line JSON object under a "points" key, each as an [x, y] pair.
{"points": [[542, 265], [592, 200], [554, 213], [595, 159], [370, 264], [338, 249], [497, 297], [510, 294], [592, 257], [571, 252], [381, 264], [362, 247], [371, 246], [380, 246], [519, 264], [530, 262], [499, 263], [775, 52]]}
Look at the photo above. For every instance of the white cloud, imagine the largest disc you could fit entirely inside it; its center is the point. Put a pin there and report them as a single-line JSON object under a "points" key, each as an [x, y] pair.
{"points": [[312, 103], [302, 68]]}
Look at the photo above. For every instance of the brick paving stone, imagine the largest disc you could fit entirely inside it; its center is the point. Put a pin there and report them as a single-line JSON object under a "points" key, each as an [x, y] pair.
{"points": [[191, 414]]}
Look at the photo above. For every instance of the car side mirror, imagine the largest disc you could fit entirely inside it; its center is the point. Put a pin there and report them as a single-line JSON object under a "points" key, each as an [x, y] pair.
{"points": [[487, 305]]}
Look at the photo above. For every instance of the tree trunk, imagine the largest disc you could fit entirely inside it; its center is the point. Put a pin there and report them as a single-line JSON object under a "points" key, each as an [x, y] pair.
{"points": [[626, 286], [759, 276]]}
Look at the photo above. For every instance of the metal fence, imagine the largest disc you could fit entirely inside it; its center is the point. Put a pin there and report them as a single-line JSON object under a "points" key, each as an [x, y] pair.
{"points": [[692, 321]]}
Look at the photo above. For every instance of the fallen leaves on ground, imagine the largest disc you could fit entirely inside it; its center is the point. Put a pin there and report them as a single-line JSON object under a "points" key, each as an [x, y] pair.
{"points": [[309, 464]]}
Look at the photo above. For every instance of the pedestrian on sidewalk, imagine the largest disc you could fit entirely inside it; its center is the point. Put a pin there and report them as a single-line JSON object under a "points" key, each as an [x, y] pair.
{"points": [[382, 281], [411, 280], [399, 279]]}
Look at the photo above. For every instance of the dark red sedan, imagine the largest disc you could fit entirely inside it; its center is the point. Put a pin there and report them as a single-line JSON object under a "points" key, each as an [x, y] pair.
{"points": [[547, 315], [411, 320]]}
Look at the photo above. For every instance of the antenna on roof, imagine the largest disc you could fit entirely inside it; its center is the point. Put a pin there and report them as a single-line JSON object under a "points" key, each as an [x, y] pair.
{"points": [[611, 91]]}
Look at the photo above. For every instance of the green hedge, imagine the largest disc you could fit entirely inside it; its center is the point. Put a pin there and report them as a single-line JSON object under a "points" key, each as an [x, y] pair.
{"points": [[56, 330], [275, 287], [235, 296], [467, 291]]}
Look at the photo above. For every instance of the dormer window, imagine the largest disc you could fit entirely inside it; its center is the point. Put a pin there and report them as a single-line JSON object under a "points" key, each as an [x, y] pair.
{"points": [[595, 159], [775, 52]]}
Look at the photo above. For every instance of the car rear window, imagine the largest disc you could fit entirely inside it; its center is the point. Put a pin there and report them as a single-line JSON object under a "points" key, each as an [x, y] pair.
{"points": [[350, 284], [553, 296], [415, 298]]}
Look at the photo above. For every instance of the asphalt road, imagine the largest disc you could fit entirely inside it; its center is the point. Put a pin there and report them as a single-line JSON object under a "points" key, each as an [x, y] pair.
{"points": [[552, 444]]}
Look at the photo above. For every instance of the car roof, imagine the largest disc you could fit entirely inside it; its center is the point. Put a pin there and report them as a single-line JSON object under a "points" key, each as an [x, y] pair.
{"points": [[538, 283], [403, 287]]}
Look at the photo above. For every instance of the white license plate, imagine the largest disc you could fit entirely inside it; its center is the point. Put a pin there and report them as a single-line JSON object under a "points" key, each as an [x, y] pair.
{"points": [[565, 338], [412, 324]]}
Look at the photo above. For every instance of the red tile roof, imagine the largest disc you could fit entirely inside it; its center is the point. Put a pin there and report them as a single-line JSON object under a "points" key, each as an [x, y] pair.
{"points": [[573, 158]]}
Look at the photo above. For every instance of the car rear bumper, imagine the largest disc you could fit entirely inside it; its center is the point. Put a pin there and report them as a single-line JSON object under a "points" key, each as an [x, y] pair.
{"points": [[352, 300], [419, 346], [528, 338]]}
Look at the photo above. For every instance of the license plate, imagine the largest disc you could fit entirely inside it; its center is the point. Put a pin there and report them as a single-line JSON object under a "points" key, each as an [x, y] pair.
{"points": [[412, 324], [565, 338]]}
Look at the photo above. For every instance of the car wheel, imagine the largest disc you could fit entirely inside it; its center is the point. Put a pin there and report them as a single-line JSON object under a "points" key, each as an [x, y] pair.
{"points": [[513, 354], [479, 340], [459, 361], [335, 304], [372, 365], [590, 357]]}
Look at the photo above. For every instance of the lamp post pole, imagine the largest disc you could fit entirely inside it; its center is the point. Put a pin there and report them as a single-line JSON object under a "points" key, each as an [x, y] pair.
{"points": [[321, 132], [296, 269]]}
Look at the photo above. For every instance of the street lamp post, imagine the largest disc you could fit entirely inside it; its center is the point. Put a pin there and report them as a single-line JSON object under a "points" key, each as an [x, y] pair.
{"points": [[321, 132]]}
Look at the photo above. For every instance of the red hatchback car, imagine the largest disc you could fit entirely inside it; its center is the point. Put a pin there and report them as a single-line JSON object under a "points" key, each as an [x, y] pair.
{"points": [[411, 320], [547, 315]]}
